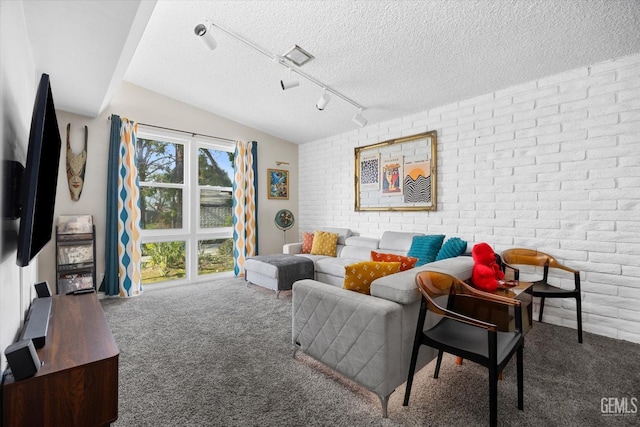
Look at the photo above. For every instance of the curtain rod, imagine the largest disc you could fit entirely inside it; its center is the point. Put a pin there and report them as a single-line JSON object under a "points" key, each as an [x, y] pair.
{"points": [[184, 131]]}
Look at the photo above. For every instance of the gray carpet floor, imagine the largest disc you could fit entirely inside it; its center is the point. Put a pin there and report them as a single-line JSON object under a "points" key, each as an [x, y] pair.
{"points": [[220, 354]]}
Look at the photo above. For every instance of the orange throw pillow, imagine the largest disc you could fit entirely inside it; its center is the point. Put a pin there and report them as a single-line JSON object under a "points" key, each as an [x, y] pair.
{"points": [[307, 243], [406, 262]]}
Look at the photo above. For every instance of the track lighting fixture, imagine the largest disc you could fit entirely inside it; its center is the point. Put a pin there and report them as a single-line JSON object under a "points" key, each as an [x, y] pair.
{"points": [[323, 101], [294, 56], [359, 119], [289, 82], [205, 35]]}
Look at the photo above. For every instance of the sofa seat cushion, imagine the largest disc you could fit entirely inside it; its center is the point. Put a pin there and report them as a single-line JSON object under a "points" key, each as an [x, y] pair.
{"points": [[333, 266], [359, 276], [401, 287]]}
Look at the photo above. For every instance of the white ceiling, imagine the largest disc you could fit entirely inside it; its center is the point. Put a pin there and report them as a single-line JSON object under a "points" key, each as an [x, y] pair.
{"points": [[393, 57]]}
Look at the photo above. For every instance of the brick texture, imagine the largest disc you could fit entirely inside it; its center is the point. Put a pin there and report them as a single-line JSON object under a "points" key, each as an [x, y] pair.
{"points": [[552, 164]]}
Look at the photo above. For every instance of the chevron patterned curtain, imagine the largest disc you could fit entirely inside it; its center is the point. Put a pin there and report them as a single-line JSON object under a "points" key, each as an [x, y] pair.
{"points": [[245, 204], [123, 251]]}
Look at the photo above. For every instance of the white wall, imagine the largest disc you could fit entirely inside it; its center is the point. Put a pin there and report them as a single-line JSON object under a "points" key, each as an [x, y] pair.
{"points": [[17, 92], [143, 106], [552, 164]]}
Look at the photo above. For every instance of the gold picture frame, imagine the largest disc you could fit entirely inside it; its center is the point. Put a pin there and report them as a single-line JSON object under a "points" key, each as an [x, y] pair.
{"points": [[397, 175], [278, 184]]}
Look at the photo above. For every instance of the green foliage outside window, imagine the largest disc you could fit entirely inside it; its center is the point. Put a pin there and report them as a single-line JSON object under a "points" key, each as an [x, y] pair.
{"points": [[166, 257]]}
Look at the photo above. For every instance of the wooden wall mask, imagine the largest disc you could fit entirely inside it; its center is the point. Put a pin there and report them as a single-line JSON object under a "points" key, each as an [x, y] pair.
{"points": [[76, 165]]}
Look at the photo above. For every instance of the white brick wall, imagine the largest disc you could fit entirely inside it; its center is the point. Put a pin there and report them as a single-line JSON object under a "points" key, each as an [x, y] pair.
{"points": [[552, 164]]}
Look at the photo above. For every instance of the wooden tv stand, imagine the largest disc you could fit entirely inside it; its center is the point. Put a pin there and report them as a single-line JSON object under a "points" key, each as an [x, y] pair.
{"points": [[78, 383]]}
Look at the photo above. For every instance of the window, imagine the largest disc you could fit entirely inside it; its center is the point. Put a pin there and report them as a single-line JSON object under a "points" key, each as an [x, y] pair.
{"points": [[187, 213], [161, 172]]}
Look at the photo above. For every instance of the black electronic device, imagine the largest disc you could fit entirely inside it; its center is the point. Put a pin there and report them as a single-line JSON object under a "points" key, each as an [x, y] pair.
{"points": [[37, 182], [81, 291], [22, 359], [36, 324], [42, 289]]}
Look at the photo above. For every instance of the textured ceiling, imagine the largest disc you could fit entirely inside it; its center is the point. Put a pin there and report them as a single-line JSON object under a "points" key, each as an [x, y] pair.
{"points": [[393, 57]]}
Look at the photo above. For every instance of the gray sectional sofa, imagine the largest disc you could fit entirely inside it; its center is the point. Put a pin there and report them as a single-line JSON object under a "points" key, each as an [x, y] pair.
{"points": [[367, 338]]}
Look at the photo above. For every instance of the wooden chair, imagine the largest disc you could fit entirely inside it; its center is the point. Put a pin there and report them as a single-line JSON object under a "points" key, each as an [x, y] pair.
{"points": [[542, 288], [464, 336]]}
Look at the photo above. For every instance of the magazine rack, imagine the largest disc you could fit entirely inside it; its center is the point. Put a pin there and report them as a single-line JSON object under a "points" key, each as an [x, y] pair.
{"points": [[75, 257]]}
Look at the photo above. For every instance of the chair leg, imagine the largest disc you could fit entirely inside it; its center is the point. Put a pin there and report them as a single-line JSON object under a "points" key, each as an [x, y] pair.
{"points": [[519, 360], [579, 317], [416, 347], [493, 396], [438, 363], [541, 309]]}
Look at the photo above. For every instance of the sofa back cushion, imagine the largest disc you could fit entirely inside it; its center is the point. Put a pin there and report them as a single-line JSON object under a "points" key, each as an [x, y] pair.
{"points": [[358, 277], [363, 242], [397, 241], [406, 262], [343, 233], [356, 253], [425, 248]]}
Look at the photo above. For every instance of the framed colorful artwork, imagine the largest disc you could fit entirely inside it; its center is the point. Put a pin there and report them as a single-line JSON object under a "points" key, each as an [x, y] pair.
{"points": [[278, 184], [397, 175]]}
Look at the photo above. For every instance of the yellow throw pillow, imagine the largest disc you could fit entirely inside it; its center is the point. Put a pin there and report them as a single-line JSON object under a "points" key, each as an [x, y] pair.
{"points": [[358, 277], [324, 243]]}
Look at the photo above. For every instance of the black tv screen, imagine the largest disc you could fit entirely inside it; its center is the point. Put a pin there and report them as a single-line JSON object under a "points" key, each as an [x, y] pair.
{"points": [[40, 176]]}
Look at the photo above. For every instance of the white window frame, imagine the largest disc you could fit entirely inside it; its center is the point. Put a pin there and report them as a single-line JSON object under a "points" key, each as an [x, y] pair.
{"points": [[206, 233], [191, 232]]}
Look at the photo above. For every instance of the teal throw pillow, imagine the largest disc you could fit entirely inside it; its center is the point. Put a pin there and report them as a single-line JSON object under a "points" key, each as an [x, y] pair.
{"points": [[425, 248], [453, 247]]}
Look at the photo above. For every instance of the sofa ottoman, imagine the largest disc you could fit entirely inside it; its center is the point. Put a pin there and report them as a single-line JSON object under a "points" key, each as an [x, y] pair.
{"points": [[277, 272]]}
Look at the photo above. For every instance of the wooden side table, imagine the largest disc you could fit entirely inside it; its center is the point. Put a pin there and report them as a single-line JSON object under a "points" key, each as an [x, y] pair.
{"points": [[77, 384]]}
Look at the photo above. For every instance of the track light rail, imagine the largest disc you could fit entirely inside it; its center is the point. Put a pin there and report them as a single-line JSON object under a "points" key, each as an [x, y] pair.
{"points": [[280, 60]]}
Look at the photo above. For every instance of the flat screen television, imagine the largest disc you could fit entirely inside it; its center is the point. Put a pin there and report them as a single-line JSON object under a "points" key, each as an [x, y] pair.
{"points": [[40, 177]]}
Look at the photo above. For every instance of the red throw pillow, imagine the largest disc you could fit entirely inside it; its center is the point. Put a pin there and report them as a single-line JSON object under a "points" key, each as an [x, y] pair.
{"points": [[406, 262], [307, 243]]}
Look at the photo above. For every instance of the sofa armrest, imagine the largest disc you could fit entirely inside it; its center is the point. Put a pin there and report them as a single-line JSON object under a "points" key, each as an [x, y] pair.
{"points": [[357, 335], [292, 248], [401, 287]]}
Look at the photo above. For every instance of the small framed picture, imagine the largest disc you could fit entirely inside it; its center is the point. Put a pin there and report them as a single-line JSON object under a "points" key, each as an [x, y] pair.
{"points": [[75, 224], [278, 181]]}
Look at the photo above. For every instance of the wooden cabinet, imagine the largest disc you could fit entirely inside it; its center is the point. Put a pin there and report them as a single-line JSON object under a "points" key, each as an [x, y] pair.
{"points": [[77, 384], [75, 261]]}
